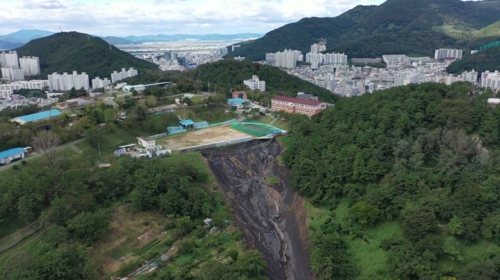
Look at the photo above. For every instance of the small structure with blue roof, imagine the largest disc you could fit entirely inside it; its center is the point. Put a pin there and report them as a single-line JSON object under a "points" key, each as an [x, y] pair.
{"points": [[187, 124], [8, 156], [37, 116], [235, 102]]}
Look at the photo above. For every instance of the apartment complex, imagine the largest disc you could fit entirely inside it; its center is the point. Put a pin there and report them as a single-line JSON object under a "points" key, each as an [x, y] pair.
{"points": [[297, 106], [123, 74], [100, 83], [30, 65], [396, 60], [255, 84], [12, 74], [286, 59], [9, 59], [66, 82], [447, 54], [470, 77], [491, 80], [6, 90]]}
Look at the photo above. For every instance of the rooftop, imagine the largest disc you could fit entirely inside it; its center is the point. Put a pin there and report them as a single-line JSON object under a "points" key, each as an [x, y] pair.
{"points": [[11, 152], [298, 101], [186, 122], [39, 116]]}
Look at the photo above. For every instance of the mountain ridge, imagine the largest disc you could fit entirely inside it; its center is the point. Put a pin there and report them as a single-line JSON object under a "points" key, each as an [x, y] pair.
{"points": [[73, 51], [449, 22]]}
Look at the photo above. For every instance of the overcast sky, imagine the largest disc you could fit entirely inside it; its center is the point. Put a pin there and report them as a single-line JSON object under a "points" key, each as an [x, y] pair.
{"points": [[142, 17]]}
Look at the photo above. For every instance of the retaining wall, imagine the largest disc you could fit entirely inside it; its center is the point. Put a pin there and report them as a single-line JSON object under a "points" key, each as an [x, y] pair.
{"points": [[215, 145], [222, 123]]}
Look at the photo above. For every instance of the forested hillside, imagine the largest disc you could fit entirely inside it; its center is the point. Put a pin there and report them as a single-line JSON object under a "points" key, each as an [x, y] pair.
{"points": [[488, 60], [74, 202], [408, 178], [230, 73], [403, 26], [73, 51]]}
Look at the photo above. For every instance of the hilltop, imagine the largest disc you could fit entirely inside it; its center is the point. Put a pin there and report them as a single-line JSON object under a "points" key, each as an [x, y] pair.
{"points": [[488, 60], [399, 24], [231, 73], [73, 51]]}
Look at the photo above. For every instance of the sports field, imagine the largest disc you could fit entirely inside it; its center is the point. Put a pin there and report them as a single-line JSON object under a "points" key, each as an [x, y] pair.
{"points": [[201, 137]]}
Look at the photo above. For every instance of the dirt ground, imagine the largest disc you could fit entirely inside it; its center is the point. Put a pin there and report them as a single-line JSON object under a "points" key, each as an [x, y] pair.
{"points": [[128, 231], [201, 137]]}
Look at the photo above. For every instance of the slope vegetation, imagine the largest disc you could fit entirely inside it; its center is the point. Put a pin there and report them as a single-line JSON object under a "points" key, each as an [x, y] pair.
{"points": [[396, 21], [73, 51], [488, 60], [232, 73], [404, 182]]}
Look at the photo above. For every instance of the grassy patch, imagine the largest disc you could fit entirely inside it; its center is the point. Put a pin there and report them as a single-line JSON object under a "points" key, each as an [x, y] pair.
{"points": [[271, 180], [10, 225], [194, 159], [370, 258]]}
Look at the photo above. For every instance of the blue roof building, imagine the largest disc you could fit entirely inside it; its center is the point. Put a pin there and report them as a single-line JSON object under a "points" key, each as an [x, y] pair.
{"points": [[187, 123], [235, 102], [37, 116], [9, 155]]}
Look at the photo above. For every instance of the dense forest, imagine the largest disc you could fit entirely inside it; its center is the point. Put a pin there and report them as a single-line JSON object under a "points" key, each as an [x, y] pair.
{"points": [[411, 172], [73, 51], [487, 60], [73, 200], [402, 26]]}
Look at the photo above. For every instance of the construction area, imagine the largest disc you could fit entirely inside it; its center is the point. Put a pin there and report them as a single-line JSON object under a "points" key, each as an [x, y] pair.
{"points": [[202, 137]]}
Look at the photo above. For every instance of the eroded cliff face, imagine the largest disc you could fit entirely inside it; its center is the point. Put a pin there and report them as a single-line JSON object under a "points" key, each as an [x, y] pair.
{"points": [[271, 215]]}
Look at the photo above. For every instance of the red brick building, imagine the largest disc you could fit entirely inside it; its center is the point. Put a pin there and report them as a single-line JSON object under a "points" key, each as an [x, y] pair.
{"points": [[297, 106], [240, 94]]}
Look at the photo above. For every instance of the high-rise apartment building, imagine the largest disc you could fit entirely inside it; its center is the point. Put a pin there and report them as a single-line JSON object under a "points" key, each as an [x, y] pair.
{"points": [[118, 76], [100, 83], [447, 54], [66, 82], [9, 59], [394, 60], [470, 77], [30, 65], [12, 74], [317, 48], [491, 80], [255, 84], [287, 59]]}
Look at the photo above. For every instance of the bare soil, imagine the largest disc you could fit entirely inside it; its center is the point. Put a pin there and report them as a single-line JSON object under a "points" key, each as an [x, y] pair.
{"points": [[201, 137]]}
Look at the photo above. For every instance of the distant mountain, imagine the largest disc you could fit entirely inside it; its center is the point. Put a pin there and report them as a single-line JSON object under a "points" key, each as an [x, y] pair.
{"points": [[117, 40], [178, 37], [396, 26], [5, 45], [25, 35], [73, 51]]}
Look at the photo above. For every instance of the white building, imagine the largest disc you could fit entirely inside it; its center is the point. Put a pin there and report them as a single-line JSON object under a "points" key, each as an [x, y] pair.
{"points": [[33, 84], [394, 60], [317, 48], [118, 76], [407, 77], [9, 59], [12, 74], [470, 77], [30, 65], [66, 82], [271, 57], [287, 59], [447, 53], [255, 84], [5, 93], [146, 142], [100, 83], [491, 80]]}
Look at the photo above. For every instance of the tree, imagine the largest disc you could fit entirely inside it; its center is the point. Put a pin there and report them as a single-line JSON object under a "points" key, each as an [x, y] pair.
{"points": [[151, 101], [46, 142], [451, 247], [418, 222], [93, 136], [365, 214]]}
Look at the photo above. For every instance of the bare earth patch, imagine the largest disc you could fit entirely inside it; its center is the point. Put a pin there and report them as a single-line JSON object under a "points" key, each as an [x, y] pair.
{"points": [[201, 137]]}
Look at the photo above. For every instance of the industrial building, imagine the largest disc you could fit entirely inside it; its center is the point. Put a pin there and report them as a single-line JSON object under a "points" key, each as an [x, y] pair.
{"points": [[37, 116], [8, 156]]}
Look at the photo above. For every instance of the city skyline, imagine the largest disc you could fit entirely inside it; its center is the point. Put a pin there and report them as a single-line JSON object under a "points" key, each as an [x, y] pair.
{"points": [[147, 17]]}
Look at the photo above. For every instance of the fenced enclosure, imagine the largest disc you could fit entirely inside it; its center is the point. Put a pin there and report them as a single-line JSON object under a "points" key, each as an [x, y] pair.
{"points": [[255, 129]]}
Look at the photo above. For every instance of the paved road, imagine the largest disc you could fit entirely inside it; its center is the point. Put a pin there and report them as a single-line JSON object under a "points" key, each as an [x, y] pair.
{"points": [[69, 144]]}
